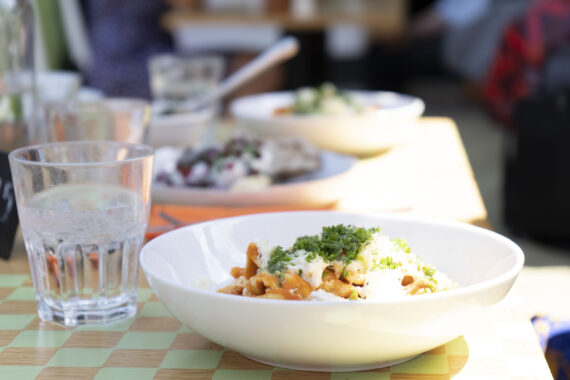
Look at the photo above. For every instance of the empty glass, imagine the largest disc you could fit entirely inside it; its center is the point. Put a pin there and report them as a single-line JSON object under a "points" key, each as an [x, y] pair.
{"points": [[176, 81], [17, 83], [175, 78], [118, 119], [83, 209]]}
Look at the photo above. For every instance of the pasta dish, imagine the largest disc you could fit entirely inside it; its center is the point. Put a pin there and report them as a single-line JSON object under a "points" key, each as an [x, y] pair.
{"points": [[343, 262]]}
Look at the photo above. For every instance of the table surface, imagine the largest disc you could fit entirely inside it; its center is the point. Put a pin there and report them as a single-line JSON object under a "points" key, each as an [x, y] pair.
{"points": [[429, 175]]}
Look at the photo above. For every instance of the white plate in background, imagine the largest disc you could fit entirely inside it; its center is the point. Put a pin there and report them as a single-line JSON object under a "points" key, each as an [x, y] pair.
{"points": [[319, 188]]}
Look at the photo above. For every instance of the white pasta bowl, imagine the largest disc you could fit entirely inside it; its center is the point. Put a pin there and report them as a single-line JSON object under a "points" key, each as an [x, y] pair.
{"points": [[361, 134], [186, 266]]}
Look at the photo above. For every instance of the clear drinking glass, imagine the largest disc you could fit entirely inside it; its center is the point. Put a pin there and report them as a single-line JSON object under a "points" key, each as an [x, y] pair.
{"points": [[117, 119], [17, 80], [83, 209], [175, 78], [174, 81]]}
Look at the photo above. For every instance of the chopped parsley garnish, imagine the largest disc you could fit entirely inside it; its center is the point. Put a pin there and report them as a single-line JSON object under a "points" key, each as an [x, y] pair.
{"points": [[278, 261], [311, 256], [429, 271], [345, 273], [344, 242], [307, 243], [340, 242], [403, 245], [335, 242], [386, 262]]}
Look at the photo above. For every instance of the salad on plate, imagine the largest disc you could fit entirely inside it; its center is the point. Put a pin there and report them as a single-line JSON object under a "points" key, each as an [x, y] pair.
{"points": [[242, 163], [326, 99]]}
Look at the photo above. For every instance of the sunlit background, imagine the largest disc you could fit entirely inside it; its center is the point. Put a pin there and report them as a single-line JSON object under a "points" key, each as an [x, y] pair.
{"points": [[500, 69], [476, 61]]}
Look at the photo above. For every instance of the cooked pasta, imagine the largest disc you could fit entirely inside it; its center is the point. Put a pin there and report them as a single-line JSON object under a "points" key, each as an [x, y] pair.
{"points": [[343, 262]]}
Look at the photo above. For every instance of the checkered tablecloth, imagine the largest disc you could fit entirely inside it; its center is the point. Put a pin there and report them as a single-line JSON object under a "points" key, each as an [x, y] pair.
{"points": [[155, 345]]}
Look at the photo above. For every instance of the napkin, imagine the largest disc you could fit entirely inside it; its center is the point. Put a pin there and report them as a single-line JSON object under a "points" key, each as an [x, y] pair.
{"points": [[166, 217]]}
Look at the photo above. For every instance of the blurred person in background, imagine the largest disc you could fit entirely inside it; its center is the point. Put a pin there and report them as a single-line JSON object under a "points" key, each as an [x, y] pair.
{"points": [[457, 37], [473, 33], [124, 34], [510, 49], [533, 58]]}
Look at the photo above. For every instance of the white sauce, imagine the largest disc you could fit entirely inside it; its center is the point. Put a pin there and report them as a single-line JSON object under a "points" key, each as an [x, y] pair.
{"points": [[382, 284], [263, 253], [312, 272]]}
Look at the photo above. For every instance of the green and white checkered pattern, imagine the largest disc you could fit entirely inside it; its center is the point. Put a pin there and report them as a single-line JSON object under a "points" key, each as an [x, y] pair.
{"points": [[155, 345]]}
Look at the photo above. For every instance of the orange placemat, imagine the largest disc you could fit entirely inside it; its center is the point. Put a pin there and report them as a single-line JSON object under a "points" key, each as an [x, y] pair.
{"points": [[165, 217]]}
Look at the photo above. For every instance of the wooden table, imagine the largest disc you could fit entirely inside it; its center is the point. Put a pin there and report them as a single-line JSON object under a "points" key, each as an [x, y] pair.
{"points": [[428, 175]]}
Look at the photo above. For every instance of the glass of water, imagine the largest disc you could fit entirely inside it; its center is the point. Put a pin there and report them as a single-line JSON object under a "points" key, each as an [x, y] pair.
{"points": [[83, 209]]}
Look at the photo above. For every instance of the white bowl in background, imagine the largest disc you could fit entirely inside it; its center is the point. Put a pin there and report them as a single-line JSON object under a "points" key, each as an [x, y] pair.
{"points": [[186, 266], [393, 121], [179, 129]]}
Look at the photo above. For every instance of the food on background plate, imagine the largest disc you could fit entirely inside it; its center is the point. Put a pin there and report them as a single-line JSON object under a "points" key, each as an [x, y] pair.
{"points": [[344, 262], [325, 100], [241, 164]]}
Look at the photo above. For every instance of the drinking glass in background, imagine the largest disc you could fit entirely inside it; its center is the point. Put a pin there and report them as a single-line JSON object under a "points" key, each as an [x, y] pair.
{"points": [[57, 86], [53, 87], [83, 209], [16, 74], [117, 119], [174, 79]]}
